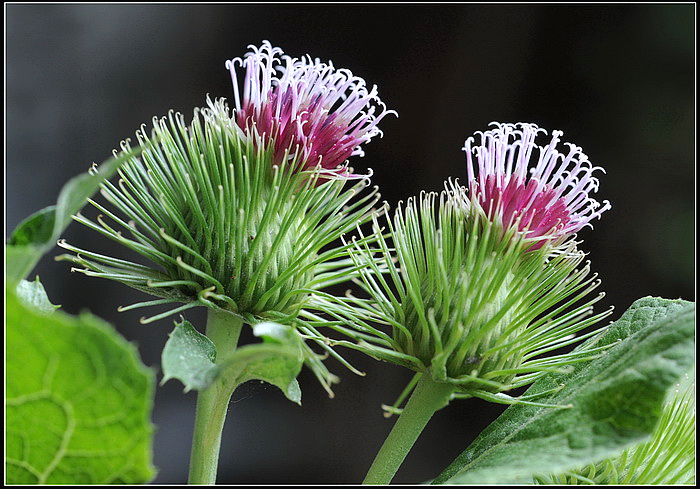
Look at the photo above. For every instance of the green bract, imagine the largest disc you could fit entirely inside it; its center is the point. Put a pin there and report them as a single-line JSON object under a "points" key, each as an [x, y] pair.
{"points": [[466, 301]]}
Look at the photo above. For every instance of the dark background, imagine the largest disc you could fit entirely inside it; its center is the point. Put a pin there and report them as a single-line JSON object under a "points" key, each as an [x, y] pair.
{"points": [[618, 80]]}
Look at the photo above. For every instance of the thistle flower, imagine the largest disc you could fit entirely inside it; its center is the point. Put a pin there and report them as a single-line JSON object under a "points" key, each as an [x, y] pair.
{"points": [[311, 110], [549, 200], [477, 285], [233, 219]]}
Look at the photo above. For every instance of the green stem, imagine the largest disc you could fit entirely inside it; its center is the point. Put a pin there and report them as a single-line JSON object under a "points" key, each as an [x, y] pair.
{"points": [[212, 403], [428, 397]]}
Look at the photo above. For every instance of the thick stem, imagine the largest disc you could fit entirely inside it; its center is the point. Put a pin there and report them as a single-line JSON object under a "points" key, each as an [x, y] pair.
{"points": [[428, 397], [212, 403]]}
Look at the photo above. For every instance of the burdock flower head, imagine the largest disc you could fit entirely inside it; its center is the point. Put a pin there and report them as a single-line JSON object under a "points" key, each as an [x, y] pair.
{"points": [[306, 109], [240, 211], [479, 284]]}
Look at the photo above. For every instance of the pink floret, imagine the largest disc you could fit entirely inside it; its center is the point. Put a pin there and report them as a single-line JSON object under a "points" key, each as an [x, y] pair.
{"points": [[306, 108], [547, 198]]}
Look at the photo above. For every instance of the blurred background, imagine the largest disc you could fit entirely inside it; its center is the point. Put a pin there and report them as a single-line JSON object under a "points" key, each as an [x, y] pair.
{"points": [[618, 80]]}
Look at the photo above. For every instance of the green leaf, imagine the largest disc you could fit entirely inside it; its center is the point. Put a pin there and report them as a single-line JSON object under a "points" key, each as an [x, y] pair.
{"points": [[616, 401], [38, 233], [667, 457], [274, 333], [32, 294], [35, 229], [78, 401], [278, 360], [189, 356]]}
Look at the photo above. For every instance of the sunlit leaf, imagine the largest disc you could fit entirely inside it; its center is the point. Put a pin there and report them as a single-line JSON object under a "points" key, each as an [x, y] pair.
{"points": [[78, 401], [32, 294]]}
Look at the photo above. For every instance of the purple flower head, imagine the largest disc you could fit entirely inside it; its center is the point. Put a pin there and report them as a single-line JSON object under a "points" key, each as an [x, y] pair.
{"points": [[306, 108], [547, 199]]}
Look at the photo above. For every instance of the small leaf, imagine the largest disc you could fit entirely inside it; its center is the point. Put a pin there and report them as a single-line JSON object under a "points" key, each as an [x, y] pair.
{"points": [[38, 233], [32, 294], [277, 361], [21, 259], [189, 356], [293, 392], [616, 401], [273, 332], [78, 401]]}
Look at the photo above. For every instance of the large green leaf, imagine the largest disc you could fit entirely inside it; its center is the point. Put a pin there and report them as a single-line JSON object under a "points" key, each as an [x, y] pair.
{"points": [[616, 401], [38, 233], [78, 401], [190, 357]]}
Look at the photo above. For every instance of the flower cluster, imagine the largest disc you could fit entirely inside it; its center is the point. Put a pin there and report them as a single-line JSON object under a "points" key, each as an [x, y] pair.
{"points": [[240, 212], [479, 289], [548, 200], [230, 207], [305, 107], [243, 212]]}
